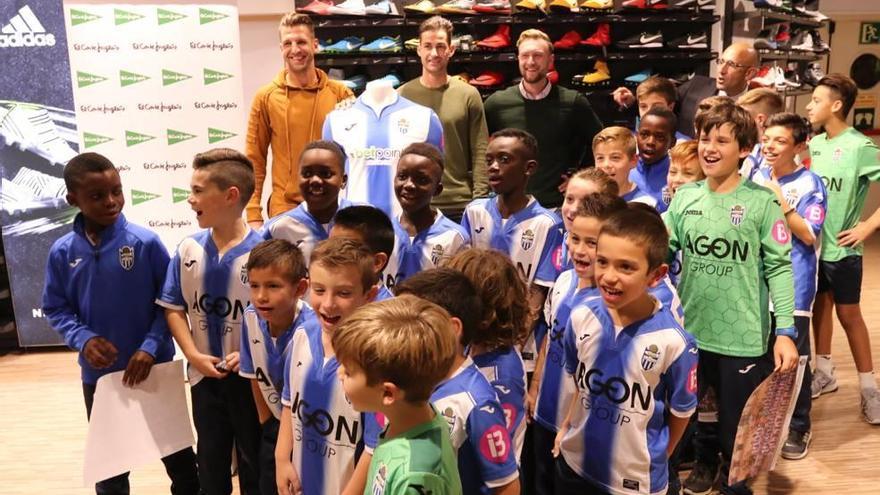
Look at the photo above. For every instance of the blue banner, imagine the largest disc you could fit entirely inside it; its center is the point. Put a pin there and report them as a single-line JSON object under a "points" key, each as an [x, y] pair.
{"points": [[37, 137]]}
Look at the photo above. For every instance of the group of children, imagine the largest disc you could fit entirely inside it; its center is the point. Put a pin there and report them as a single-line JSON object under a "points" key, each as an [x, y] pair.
{"points": [[525, 350]]}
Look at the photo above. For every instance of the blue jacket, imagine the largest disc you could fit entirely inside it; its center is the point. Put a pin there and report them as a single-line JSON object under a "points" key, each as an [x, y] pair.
{"points": [[109, 291]]}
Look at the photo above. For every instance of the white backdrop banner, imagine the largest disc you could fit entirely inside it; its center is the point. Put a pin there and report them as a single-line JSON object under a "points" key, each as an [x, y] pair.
{"points": [[153, 85]]}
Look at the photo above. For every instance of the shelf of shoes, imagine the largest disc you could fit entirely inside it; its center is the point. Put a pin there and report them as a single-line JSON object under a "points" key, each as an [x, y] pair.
{"points": [[789, 55], [775, 16], [362, 58], [519, 18]]}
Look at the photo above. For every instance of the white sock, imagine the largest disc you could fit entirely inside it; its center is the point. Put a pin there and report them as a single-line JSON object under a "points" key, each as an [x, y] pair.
{"points": [[867, 381], [824, 364]]}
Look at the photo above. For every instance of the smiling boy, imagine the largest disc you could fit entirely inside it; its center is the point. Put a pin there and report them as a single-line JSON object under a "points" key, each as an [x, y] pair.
{"points": [[615, 152], [654, 137]]}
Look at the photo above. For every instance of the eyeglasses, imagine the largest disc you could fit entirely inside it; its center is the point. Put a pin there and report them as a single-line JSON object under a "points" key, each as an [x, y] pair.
{"points": [[730, 64]]}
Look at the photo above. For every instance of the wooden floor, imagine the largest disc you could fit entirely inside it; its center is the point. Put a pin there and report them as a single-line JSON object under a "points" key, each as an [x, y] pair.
{"points": [[43, 425]]}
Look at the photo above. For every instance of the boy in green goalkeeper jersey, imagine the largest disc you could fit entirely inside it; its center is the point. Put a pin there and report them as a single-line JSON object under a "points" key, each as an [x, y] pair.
{"points": [[847, 161], [735, 250]]}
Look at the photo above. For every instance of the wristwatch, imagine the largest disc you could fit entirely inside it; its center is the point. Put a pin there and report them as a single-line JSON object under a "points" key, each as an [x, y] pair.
{"points": [[790, 332]]}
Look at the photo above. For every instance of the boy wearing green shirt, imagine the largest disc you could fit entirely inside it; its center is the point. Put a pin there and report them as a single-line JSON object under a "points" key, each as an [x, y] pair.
{"points": [[735, 249], [847, 161], [392, 355]]}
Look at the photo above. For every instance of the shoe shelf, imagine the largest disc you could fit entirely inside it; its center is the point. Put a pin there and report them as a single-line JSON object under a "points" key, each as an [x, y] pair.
{"points": [[518, 19], [652, 54], [776, 16], [789, 55], [798, 92], [363, 58], [344, 22]]}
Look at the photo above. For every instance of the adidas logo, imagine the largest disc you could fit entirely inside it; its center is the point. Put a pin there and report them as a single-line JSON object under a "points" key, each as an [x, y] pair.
{"points": [[215, 135], [138, 197], [25, 30]]}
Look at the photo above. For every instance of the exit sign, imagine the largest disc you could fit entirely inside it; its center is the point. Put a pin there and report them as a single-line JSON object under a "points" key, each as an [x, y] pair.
{"points": [[869, 34]]}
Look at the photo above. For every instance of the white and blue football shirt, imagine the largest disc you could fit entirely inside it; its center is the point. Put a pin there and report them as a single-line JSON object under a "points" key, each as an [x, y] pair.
{"points": [[557, 389], [504, 369], [627, 378], [651, 179], [478, 430], [299, 227], [373, 142], [263, 356], [804, 191], [637, 195], [439, 242], [667, 294], [327, 431], [753, 162], [212, 289]]}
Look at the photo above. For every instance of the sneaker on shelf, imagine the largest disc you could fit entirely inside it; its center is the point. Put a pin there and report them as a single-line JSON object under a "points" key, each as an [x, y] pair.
{"points": [[871, 406], [645, 4], [819, 45], [457, 7], [413, 44], [682, 77], [783, 37], [345, 45], [602, 36], [792, 80], [813, 11], [463, 77], [598, 5], [683, 4], [803, 41], [532, 6], [797, 445], [492, 7], [349, 7], [355, 83], [813, 73], [563, 6], [553, 75], [488, 79], [384, 7], [762, 78], [385, 44], [690, 41], [700, 480], [317, 7], [421, 7], [600, 76], [822, 383], [569, 41], [498, 41], [642, 40], [766, 40], [708, 5], [768, 4], [638, 77], [463, 43]]}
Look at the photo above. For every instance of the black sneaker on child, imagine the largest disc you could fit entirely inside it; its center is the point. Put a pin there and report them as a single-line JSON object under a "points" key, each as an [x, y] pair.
{"points": [[700, 480], [796, 445]]}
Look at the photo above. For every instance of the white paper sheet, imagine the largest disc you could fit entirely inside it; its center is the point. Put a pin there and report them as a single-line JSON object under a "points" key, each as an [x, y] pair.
{"points": [[130, 427]]}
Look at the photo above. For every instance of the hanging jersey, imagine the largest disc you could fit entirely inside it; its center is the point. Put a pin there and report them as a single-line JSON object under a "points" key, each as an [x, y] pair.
{"points": [[803, 190], [639, 196], [651, 180], [439, 242], [327, 431], [504, 369], [262, 357], [847, 164], [478, 430], [557, 389], [299, 227], [627, 379], [213, 290], [373, 144]]}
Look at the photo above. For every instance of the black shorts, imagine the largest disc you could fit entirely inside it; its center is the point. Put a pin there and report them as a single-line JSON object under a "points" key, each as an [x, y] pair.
{"points": [[843, 278]]}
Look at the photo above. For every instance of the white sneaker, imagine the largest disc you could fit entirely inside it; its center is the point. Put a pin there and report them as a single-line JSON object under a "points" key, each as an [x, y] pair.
{"points": [[349, 7], [823, 383], [34, 128], [871, 406]]}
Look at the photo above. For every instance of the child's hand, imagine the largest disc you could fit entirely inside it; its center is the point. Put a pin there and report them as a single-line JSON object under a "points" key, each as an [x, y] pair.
{"points": [[205, 364], [99, 352], [531, 401], [623, 97], [557, 442], [785, 354], [138, 368], [854, 236], [232, 362], [287, 479], [774, 186]]}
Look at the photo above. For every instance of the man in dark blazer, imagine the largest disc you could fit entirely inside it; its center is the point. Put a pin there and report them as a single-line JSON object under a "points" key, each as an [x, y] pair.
{"points": [[736, 67]]}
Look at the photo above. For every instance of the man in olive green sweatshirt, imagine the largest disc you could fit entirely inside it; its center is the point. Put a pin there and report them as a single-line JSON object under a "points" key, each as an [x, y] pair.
{"points": [[460, 109]]}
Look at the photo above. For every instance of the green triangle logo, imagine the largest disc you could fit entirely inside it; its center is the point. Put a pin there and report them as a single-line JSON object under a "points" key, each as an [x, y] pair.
{"points": [[133, 138], [213, 76], [215, 135], [166, 16], [206, 16], [170, 77], [128, 78], [138, 197], [84, 79], [178, 195], [78, 17], [92, 140], [123, 17], [175, 137]]}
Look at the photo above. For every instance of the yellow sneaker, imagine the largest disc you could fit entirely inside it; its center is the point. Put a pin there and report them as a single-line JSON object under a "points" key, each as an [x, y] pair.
{"points": [[563, 6], [600, 74], [598, 4], [533, 5], [422, 7]]}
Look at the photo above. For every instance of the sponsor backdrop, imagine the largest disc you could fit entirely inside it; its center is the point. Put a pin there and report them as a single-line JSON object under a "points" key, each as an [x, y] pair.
{"points": [[38, 135], [154, 85]]}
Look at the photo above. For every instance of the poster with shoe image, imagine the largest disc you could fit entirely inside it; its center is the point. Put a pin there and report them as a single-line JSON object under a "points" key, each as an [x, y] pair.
{"points": [[155, 85], [763, 425], [38, 135]]}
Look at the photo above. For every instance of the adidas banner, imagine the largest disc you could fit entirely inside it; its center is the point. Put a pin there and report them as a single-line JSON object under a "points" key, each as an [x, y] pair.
{"points": [[154, 85], [38, 135]]}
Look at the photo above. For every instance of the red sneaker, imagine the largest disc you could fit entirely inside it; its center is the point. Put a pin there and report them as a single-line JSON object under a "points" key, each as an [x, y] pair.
{"points": [[783, 36], [487, 79], [553, 76], [568, 41], [317, 7], [498, 41], [602, 36], [645, 4]]}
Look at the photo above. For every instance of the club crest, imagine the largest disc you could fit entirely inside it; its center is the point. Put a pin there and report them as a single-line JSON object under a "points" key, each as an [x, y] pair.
{"points": [[737, 213], [650, 357], [666, 195], [126, 257], [436, 254], [403, 125], [527, 239], [243, 275]]}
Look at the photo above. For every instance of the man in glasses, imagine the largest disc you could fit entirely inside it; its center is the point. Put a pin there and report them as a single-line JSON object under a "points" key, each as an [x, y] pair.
{"points": [[737, 66]]}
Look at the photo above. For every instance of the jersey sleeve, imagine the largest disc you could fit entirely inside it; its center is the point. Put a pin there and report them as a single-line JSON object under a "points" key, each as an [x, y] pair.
{"points": [[869, 161], [550, 265], [61, 312], [466, 225], [680, 379], [776, 254], [246, 361], [435, 131], [812, 207], [512, 396], [285, 390], [372, 431], [171, 295], [159, 261], [416, 484], [488, 434]]}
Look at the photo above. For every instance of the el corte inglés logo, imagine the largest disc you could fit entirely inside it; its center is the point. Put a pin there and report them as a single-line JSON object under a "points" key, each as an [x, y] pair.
{"points": [[178, 195], [215, 135], [206, 16], [128, 78], [138, 197], [170, 77], [78, 17], [91, 140], [166, 16], [134, 138], [213, 76], [84, 79], [123, 17], [175, 137]]}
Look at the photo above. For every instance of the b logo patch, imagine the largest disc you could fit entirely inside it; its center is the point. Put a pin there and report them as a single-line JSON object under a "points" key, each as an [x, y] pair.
{"points": [[126, 257], [815, 214], [780, 232]]}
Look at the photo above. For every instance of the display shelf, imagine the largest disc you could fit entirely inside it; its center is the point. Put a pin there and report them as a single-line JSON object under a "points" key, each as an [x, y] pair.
{"points": [[529, 18], [362, 58], [789, 55], [777, 17], [354, 21]]}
